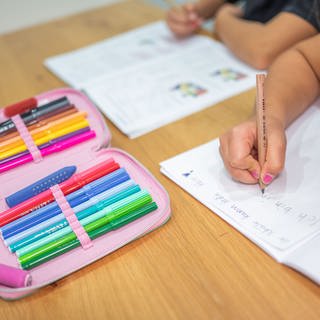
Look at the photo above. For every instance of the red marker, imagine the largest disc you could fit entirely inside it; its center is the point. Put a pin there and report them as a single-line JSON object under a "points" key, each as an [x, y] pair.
{"points": [[74, 183], [20, 107]]}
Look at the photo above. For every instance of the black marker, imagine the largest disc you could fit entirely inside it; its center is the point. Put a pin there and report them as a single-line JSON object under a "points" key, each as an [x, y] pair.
{"points": [[36, 114]]}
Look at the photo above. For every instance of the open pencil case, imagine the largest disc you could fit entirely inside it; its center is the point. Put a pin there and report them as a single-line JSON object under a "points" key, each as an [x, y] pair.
{"points": [[84, 155]]}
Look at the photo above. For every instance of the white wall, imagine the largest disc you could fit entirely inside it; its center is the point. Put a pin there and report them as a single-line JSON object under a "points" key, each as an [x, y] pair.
{"points": [[18, 14]]}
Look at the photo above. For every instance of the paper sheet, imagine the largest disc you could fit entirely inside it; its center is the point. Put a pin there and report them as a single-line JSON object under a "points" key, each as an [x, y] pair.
{"points": [[287, 216], [117, 53], [147, 78], [161, 91]]}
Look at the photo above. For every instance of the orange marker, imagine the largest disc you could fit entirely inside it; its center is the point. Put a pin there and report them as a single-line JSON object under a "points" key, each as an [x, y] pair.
{"points": [[41, 131], [41, 123], [47, 135]]}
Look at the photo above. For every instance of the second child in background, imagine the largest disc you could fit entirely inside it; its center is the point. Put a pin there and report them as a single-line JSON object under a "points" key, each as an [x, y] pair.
{"points": [[256, 33]]}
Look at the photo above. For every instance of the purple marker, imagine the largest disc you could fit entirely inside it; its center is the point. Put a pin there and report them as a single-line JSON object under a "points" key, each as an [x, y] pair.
{"points": [[49, 143]]}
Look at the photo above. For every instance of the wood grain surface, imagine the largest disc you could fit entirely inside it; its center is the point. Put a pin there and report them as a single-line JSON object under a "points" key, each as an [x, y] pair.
{"points": [[194, 267]]}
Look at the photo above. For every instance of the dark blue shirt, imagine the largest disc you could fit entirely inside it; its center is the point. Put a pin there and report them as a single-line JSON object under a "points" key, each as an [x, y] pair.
{"points": [[264, 10]]}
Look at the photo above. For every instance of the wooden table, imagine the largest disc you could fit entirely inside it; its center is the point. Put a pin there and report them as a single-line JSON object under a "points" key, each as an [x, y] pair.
{"points": [[194, 267]]}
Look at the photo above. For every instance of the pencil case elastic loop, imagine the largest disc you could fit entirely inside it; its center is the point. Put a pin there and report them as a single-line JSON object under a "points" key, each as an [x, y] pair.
{"points": [[72, 219], [26, 137]]}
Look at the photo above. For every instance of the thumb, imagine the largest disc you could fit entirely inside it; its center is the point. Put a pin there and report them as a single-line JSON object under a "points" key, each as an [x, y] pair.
{"points": [[190, 7], [247, 164], [191, 11], [275, 156]]}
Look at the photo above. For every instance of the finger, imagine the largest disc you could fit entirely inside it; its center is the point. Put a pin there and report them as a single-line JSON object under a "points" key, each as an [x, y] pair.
{"points": [[241, 149], [182, 29], [191, 10], [245, 163], [275, 156], [254, 153], [178, 15], [242, 175]]}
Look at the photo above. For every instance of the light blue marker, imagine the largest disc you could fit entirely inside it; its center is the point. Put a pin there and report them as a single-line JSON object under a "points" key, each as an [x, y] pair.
{"points": [[74, 199], [103, 211], [58, 218]]}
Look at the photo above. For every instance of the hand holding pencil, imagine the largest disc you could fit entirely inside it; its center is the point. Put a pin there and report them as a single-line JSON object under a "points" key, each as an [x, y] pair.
{"points": [[183, 20], [254, 151]]}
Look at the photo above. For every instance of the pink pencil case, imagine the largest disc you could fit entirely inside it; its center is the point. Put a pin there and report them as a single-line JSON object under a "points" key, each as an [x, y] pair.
{"points": [[84, 156]]}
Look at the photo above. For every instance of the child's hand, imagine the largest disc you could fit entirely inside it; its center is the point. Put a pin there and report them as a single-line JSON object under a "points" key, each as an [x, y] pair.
{"points": [[229, 9], [184, 20], [226, 13], [238, 149]]}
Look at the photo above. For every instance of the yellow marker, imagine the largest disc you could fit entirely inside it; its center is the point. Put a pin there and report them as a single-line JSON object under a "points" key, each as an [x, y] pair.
{"points": [[37, 133], [50, 135]]}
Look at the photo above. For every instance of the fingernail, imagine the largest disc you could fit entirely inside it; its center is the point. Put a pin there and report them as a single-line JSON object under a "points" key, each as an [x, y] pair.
{"points": [[255, 174], [267, 178], [192, 16]]}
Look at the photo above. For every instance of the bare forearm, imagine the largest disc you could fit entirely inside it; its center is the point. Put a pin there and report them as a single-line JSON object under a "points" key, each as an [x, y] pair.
{"points": [[207, 8], [259, 44], [239, 36], [293, 82]]}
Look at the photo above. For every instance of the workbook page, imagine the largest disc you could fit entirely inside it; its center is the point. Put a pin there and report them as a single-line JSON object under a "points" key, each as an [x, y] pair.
{"points": [[306, 258], [147, 77], [117, 53], [287, 215], [144, 97]]}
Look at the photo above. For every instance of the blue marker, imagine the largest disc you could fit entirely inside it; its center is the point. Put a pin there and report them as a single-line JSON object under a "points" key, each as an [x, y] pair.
{"points": [[74, 199], [40, 186], [80, 215], [95, 215], [94, 200]]}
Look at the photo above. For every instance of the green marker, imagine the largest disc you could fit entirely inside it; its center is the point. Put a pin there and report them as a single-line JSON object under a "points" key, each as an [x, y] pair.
{"points": [[95, 230], [44, 232], [90, 214], [107, 216]]}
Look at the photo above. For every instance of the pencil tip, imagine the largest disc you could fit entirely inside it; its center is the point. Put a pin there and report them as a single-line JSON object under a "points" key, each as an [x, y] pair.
{"points": [[262, 190]]}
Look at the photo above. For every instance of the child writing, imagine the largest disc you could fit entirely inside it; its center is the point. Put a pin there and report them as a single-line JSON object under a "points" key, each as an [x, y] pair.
{"points": [[257, 34], [292, 84]]}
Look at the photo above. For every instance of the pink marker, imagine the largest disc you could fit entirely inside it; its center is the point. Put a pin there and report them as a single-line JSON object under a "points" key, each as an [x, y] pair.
{"points": [[59, 146], [14, 277]]}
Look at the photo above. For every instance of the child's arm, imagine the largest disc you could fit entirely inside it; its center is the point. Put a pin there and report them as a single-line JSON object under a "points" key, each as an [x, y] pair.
{"points": [[185, 19], [256, 43], [291, 86], [293, 81]]}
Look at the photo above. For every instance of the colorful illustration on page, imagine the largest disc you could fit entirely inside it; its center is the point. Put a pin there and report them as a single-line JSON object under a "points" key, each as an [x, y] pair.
{"points": [[228, 74], [189, 89]]}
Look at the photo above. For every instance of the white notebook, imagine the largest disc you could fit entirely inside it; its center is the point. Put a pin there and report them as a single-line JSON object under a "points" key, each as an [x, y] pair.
{"points": [[146, 78], [285, 221]]}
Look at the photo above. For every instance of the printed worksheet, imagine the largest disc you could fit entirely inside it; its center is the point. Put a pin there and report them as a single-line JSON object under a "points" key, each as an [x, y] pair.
{"points": [[160, 91], [146, 78], [117, 53], [283, 220]]}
